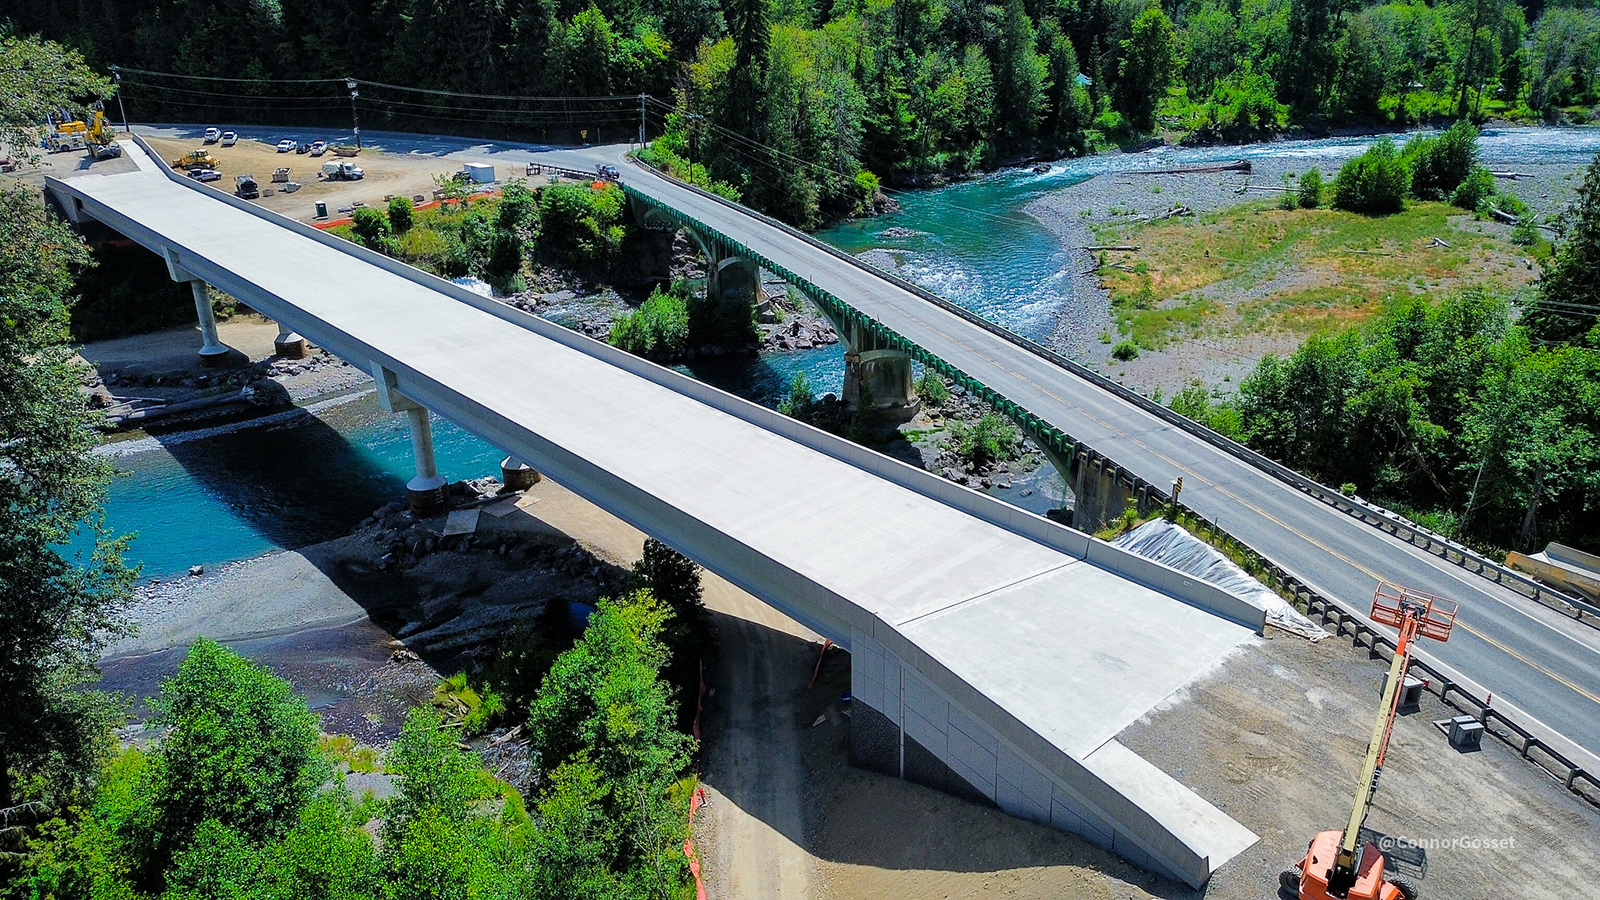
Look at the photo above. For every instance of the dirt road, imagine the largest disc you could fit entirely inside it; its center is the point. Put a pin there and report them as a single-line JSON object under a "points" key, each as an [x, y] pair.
{"points": [[753, 837]]}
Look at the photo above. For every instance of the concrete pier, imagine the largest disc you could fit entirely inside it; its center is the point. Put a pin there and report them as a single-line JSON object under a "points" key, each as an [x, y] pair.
{"points": [[426, 491], [517, 475], [884, 370], [213, 352], [288, 344]]}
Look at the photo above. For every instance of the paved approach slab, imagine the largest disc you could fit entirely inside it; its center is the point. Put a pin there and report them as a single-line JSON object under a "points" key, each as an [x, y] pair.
{"points": [[1035, 641]]}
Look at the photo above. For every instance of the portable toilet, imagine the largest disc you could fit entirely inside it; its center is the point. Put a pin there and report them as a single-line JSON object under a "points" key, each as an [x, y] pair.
{"points": [[322, 209], [478, 173]]}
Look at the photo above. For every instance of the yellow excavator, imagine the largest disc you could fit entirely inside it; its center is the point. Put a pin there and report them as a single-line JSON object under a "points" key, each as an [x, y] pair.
{"points": [[102, 137], [1337, 864]]}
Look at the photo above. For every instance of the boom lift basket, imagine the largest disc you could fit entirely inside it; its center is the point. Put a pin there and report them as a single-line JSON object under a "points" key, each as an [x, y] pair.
{"points": [[1435, 615]]}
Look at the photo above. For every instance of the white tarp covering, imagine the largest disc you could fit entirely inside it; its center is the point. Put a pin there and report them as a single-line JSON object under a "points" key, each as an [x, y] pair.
{"points": [[1171, 545]]}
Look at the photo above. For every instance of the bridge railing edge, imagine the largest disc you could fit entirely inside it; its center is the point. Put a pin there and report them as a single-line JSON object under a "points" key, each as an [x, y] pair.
{"points": [[1362, 510]]}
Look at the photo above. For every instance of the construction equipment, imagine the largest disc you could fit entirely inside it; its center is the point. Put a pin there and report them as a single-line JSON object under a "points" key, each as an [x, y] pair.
{"points": [[102, 139], [1337, 864], [245, 186], [198, 159], [64, 132]]}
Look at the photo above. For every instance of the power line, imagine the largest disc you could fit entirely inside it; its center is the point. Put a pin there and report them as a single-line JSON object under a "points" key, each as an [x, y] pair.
{"points": [[237, 80]]}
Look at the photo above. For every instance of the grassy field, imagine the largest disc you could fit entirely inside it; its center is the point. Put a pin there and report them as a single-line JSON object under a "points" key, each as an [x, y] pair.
{"points": [[1257, 267]]}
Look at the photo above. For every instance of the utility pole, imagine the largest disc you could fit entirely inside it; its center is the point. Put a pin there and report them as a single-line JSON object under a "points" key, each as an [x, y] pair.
{"points": [[355, 117], [641, 120], [116, 76]]}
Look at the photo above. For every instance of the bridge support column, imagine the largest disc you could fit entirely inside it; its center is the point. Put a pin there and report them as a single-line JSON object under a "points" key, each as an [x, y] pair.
{"points": [[884, 371], [426, 491], [1099, 494], [212, 351], [288, 344], [517, 475]]}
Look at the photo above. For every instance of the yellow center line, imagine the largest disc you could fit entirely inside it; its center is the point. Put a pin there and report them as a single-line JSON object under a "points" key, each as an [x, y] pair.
{"points": [[1476, 632]]}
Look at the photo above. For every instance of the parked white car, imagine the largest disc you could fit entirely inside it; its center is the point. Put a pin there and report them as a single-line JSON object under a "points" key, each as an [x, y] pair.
{"points": [[286, 146], [319, 147], [212, 135], [229, 138]]}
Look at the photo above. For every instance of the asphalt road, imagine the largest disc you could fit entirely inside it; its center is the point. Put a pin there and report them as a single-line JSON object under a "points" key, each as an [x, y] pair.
{"points": [[1525, 654]]}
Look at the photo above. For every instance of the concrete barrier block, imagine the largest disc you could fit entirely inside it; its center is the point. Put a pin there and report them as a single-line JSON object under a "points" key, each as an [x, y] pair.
{"points": [[974, 730], [926, 733], [926, 701], [1017, 802], [967, 752], [1066, 818], [978, 780], [1021, 774]]}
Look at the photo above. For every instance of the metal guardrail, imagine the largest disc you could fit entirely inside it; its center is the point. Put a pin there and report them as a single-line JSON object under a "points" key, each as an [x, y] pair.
{"points": [[1303, 593], [1383, 519]]}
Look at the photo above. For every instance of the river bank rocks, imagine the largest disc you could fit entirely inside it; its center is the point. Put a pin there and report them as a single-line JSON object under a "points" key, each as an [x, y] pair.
{"points": [[933, 433]]}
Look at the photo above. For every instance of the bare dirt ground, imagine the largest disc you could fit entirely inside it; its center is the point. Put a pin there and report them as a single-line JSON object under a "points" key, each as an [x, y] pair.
{"points": [[387, 174], [1275, 738]]}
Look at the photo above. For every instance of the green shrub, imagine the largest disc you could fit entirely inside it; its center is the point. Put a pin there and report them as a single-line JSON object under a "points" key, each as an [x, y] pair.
{"points": [[371, 229], [400, 215], [1125, 350], [657, 330], [984, 441], [1477, 187], [242, 750], [867, 188], [1309, 193], [1374, 182], [581, 225], [1525, 233], [1440, 164], [931, 387]]}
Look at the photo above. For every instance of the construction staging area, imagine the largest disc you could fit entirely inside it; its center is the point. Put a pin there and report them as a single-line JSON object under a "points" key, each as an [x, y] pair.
{"points": [[1007, 660]]}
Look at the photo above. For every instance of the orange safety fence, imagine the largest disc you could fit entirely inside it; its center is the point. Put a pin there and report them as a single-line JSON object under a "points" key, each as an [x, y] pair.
{"points": [[695, 802], [335, 223]]}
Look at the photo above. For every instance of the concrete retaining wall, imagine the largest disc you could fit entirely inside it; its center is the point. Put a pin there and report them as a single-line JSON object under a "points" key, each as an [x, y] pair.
{"points": [[904, 724]]}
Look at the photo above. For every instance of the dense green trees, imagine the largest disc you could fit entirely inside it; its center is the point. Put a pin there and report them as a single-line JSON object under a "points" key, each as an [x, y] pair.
{"points": [[1568, 304], [235, 801], [1447, 411], [785, 103], [59, 602]]}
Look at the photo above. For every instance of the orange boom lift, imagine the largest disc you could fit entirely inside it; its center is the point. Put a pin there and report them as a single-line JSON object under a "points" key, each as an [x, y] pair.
{"points": [[1337, 865]]}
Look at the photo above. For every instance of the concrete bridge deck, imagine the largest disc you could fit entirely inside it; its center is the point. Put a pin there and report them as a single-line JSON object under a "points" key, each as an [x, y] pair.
{"points": [[996, 654], [1536, 664]]}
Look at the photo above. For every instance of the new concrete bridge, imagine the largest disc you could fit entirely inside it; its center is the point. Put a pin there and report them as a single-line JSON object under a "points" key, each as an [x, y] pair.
{"points": [[1530, 662], [995, 654]]}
